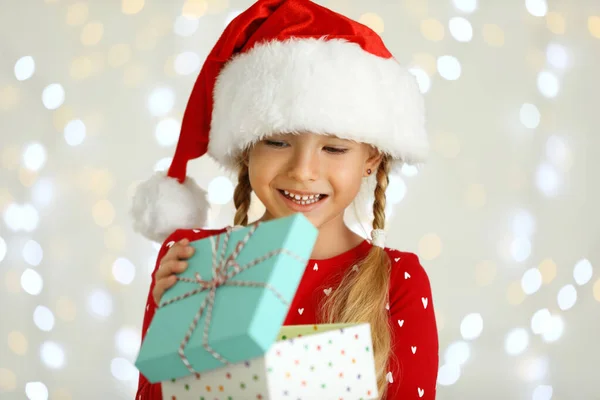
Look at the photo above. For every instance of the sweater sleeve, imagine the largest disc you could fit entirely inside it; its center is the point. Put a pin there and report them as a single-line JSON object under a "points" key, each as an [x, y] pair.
{"points": [[147, 390], [415, 359]]}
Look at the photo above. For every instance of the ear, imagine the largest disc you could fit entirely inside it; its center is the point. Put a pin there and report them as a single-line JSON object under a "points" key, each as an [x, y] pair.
{"points": [[372, 163]]}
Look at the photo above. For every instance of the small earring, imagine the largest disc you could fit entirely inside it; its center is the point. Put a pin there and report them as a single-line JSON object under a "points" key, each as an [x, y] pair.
{"points": [[369, 171]]}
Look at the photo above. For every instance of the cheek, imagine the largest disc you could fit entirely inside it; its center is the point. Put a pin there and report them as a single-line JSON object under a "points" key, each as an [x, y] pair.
{"points": [[346, 180]]}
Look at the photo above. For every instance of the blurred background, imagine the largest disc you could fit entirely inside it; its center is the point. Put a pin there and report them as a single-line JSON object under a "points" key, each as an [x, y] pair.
{"points": [[504, 217]]}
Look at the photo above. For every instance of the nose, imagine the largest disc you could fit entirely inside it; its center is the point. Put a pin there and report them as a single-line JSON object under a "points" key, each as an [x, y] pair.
{"points": [[304, 166]]}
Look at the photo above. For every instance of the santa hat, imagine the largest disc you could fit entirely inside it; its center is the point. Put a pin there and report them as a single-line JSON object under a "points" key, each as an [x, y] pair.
{"points": [[284, 66]]}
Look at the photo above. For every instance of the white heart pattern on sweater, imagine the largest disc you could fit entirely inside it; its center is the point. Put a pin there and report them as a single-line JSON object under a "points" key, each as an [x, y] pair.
{"points": [[414, 349], [421, 392], [316, 267], [300, 311], [406, 275], [389, 377], [327, 292], [425, 301], [401, 323]]}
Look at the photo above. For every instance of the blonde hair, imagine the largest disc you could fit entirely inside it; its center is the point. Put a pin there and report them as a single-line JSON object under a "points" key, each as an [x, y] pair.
{"points": [[361, 296]]}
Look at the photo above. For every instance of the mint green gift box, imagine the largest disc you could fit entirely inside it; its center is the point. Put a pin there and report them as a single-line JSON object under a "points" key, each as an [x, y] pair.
{"points": [[245, 320]]}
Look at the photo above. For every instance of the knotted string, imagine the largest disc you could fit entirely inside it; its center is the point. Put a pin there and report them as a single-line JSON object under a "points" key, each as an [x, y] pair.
{"points": [[223, 269]]}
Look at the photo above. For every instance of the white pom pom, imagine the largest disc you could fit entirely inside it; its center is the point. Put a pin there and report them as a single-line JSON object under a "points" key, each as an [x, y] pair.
{"points": [[162, 205]]}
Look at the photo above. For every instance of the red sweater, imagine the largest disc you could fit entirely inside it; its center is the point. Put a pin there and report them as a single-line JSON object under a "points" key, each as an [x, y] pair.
{"points": [[413, 370]]}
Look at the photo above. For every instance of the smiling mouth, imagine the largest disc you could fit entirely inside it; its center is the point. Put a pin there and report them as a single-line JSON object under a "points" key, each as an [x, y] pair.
{"points": [[303, 199]]}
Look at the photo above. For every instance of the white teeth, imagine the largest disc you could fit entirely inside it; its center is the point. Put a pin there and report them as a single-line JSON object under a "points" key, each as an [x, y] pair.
{"points": [[302, 199]]}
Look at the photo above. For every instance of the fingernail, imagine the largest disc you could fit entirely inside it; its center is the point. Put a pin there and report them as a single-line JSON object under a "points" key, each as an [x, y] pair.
{"points": [[182, 265]]}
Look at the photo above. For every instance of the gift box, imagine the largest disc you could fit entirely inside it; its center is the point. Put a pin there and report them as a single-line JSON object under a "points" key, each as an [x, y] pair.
{"points": [[229, 304], [321, 362]]}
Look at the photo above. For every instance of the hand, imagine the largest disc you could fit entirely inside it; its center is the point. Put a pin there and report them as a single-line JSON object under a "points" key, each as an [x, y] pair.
{"points": [[174, 262]]}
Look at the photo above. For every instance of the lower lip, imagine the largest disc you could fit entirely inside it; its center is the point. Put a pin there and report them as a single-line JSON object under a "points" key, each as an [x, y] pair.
{"points": [[301, 207]]}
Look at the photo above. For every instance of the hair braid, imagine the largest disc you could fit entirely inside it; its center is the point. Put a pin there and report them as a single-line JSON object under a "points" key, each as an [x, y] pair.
{"points": [[242, 196], [362, 296]]}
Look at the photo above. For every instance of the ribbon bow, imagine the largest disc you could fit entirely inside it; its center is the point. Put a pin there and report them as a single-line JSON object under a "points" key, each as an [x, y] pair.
{"points": [[223, 269]]}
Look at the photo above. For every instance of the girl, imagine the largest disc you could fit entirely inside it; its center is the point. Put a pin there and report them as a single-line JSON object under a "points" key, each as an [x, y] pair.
{"points": [[308, 107]]}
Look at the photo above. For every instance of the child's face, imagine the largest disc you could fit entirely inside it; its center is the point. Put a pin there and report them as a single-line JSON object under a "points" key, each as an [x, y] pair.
{"points": [[325, 172]]}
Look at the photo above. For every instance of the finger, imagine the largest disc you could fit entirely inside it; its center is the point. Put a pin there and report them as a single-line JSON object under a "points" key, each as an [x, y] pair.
{"points": [[170, 267], [180, 250], [162, 286]]}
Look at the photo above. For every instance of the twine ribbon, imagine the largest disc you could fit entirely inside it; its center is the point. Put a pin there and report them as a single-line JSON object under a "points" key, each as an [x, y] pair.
{"points": [[223, 270]]}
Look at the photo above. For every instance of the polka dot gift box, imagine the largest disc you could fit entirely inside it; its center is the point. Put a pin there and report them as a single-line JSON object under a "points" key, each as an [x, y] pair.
{"points": [[324, 362], [228, 306]]}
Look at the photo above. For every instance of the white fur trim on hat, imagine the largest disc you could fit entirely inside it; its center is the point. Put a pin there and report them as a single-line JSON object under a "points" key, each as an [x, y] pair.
{"points": [[317, 86], [161, 205]]}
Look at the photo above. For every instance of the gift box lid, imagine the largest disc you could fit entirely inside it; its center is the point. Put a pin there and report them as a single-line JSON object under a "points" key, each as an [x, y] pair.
{"points": [[248, 309]]}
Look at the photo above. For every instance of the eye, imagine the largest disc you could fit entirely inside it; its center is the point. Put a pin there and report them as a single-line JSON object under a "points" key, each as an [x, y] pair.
{"points": [[335, 150], [275, 143]]}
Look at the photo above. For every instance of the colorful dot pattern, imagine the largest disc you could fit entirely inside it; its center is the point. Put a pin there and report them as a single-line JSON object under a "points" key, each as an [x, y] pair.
{"points": [[300, 366]]}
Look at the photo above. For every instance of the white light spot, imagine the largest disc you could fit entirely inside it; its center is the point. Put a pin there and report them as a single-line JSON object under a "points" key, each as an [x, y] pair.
{"points": [[523, 224], [467, 6], [53, 96], [557, 56], [123, 271], [533, 369], [396, 190], [2, 249], [530, 116], [167, 131], [24, 68], [516, 341], [448, 374], [52, 355], [42, 192], [163, 164], [74, 132], [537, 8], [582, 272], [548, 84], [567, 296], [21, 217], [449, 67], [100, 303], [33, 253], [161, 101], [220, 190], [554, 330], [409, 170], [542, 392], [231, 16], [36, 391], [423, 80], [471, 326], [43, 318], [185, 26], [122, 369], [557, 151], [460, 29], [547, 180], [34, 156], [32, 282], [457, 353], [187, 63], [531, 281], [128, 340], [520, 248], [540, 321]]}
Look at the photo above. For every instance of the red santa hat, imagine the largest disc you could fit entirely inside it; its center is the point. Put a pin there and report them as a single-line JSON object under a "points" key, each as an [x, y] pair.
{"points": [[284, 66]]}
